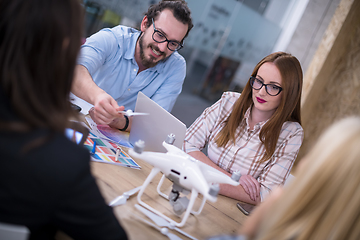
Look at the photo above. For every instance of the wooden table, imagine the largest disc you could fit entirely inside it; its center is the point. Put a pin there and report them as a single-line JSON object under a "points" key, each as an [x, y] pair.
{"points": [[221, 217]]}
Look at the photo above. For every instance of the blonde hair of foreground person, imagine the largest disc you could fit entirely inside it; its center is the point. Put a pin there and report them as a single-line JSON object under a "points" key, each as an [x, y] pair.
{"points": [[323, 201]]}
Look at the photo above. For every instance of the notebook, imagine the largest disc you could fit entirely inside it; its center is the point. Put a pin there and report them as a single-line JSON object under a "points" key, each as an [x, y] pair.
{"points": [[154, 128]]}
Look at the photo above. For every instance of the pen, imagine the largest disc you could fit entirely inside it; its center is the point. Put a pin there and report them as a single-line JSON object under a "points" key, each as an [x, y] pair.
{"points": [[117, 154], [93, 149]]}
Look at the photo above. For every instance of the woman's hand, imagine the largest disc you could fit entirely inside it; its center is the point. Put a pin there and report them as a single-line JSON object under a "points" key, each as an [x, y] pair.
{"points": [[251, 186]]}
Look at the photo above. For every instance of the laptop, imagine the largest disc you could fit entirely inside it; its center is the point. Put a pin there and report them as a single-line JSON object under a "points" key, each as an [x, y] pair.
{"points": [[154, 128]]}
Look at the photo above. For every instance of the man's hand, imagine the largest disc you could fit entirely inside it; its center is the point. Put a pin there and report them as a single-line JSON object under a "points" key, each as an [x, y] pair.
{"points": [[251, 186], [105, 109]]}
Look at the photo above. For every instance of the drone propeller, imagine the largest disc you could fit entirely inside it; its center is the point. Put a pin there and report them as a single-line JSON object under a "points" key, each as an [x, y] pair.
{"points": [[163, 231], [161, 221], [130, 113], [120, 200]]}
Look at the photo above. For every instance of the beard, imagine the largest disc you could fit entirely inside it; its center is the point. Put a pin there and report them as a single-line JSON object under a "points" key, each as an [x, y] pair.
{"points": [[151, 61]]}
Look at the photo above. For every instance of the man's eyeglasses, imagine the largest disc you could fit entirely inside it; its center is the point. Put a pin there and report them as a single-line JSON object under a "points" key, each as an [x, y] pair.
{"points": [[271, 89], [160, 38]]}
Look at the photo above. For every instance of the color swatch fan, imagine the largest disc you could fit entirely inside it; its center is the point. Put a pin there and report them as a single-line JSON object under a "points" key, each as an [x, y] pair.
{"points": [[105, 151]]}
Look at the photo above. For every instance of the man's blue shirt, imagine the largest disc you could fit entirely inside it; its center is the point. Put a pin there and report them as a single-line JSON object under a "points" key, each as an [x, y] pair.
{"points": [[109, 57]]}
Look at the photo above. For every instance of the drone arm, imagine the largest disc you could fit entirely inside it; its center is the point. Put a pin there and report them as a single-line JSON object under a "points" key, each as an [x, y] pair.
{"points": [[214, 176], [172, 149]]}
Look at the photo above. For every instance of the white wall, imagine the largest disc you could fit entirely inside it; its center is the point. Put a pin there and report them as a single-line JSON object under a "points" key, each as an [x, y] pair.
{"points": [[310, 30]]}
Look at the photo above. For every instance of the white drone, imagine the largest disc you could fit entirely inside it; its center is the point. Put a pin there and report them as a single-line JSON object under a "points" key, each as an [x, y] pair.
{"points": [[186, 173]]}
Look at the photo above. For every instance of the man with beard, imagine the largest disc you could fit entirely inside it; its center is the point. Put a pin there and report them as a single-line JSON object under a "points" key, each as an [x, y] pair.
{"points": [[115, 64]]}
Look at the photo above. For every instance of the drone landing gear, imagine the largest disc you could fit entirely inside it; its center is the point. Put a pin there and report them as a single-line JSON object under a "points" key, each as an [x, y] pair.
{"points": [[182, 200], [190, 205]]}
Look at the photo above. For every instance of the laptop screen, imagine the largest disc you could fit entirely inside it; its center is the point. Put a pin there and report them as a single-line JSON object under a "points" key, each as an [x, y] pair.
{"points": [[154, 128]]}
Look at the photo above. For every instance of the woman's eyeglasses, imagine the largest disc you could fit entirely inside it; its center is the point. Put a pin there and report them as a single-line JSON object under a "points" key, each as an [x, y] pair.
{"points": [[271, 89]]}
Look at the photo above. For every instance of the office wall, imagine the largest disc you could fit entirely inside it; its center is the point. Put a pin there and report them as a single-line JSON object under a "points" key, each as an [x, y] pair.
{"points": [[310, 30], [332, 81]]}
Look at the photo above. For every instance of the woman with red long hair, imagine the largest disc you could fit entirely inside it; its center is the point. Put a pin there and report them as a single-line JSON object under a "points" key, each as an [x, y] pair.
{"points": [[257, 132]]}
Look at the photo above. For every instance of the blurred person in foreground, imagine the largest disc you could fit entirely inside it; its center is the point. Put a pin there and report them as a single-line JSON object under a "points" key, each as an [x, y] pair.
{"points": [[323, 201], [45, 181], [115, 64], [257, 132]]}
